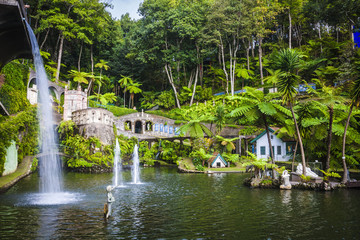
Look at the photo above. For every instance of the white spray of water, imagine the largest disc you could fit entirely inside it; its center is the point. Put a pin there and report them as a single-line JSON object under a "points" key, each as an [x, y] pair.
{"points": [[117, 181], [50, 168], [135, 168]]}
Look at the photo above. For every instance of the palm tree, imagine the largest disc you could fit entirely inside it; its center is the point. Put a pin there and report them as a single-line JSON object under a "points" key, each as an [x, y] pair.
{"points": [[355, 102], [102, 65], [195, 128], [288, 61], [104, 98], [256, 107], [219, 118], [124, 82], [329, 97], [79, 77], [227, 143], [133, 89]]}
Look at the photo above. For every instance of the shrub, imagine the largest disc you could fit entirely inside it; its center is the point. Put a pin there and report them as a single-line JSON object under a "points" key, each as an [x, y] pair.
{"points": [[199, 167], [13, 92]]}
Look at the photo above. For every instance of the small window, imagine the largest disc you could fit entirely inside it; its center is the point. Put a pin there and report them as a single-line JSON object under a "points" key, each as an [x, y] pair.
{"points": [[271, 136], [278, 150], [218, 164], [262, 150]]}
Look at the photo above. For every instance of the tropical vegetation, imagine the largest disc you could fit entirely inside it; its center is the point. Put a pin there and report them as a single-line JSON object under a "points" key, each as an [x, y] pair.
{"points": [[246, 64]]}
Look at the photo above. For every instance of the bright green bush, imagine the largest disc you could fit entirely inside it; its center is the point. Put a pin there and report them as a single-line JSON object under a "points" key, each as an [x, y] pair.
{"points": [[13, 92], [117, 111], [22, 128]]}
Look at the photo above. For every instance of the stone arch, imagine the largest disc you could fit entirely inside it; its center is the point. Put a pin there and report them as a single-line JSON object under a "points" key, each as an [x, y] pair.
{"points": [[32, 82], [62, 98], [138, 127], [54, 93], [127, 126], [32, 91]]}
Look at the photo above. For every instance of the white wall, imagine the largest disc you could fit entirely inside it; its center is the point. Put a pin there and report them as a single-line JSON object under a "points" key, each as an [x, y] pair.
{"points": [[275, 142], [218, 159]]}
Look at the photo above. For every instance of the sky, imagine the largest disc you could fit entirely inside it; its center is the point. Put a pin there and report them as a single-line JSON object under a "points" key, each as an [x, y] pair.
{"points": [[125, 6]]}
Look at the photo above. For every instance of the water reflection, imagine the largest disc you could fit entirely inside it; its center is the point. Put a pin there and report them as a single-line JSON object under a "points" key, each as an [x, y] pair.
{"points": [[180, 206], [47, 222]]}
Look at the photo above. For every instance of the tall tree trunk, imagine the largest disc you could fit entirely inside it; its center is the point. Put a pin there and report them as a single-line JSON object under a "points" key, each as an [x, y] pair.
{"points": [[124, 97], [132, 99], [79, 60], [345, 176], [299, 140], [92, 59], [171, 80], [252, 47], [233, 51], [294, 155], [247, 54], [59, 58], [192, 76], [290, 26], [129, 100], [99, 86], [45, 38], [271, 151], [260, 61], [194, 89], [329, 138], [232, 89], [319, 32], [224, 64]]}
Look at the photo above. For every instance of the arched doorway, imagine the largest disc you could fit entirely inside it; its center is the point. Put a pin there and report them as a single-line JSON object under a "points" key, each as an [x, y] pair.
{"points": [[53, 94], [138, 127]]}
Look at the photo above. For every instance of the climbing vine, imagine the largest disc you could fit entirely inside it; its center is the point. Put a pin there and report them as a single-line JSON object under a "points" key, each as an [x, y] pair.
{"points": [[23, 129], [13, 91]]}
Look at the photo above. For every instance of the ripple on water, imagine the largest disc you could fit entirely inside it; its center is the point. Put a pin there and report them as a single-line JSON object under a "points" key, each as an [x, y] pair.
{"points": [[48, 199]]}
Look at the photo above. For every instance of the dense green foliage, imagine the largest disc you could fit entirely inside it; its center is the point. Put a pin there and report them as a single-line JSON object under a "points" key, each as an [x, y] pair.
{"points": [[13, 91], [82, 152], [181, 52], [23, 129]]}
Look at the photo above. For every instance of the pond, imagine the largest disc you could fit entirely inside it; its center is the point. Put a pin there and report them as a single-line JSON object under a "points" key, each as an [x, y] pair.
{"points": [[169, 205]]}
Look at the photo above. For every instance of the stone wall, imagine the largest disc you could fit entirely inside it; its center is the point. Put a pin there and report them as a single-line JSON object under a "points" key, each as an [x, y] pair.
{"points": [[146, 124], [74, 100], [95, 122]]}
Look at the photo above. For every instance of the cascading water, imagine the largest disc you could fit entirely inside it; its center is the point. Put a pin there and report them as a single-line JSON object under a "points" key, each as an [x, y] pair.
{"points": [[50, 169], [117, 181], [135, 168]]}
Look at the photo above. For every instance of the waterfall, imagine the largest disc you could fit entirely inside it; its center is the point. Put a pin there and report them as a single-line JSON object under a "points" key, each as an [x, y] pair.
{"points": [[50, 168], [117, 181], [135, 168]]}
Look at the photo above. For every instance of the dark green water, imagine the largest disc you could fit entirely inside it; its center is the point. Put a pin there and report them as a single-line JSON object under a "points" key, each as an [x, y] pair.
{"points": [[169, 205]]}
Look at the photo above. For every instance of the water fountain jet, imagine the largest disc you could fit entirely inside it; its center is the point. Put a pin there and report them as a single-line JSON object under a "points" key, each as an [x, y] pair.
{"points": [[135, 168], [117, 180]]}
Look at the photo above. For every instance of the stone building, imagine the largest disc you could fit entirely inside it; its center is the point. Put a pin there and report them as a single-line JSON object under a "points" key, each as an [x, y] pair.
{"points": [[143, 124], [95, 122], [74, 100]]}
